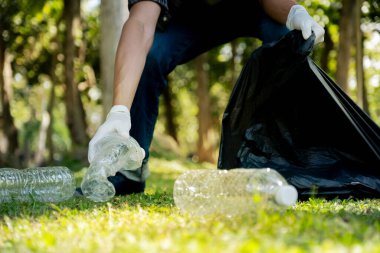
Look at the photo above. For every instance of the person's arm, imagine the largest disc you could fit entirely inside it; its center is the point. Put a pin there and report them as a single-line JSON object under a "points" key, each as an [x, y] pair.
{"points": [[135, 42], [278, 9], [294, 16]]}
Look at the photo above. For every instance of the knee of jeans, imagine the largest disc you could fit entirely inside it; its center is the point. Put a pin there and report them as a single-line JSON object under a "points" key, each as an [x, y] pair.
{"points": [[156, 62], [155, 71]]}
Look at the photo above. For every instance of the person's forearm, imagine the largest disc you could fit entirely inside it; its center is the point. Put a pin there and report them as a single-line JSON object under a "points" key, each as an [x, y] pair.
{"points": [[135, 42], [277, 9]]}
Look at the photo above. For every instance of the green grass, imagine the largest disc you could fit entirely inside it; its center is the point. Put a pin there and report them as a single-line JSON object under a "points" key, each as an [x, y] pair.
{"points": [[151, 223]]}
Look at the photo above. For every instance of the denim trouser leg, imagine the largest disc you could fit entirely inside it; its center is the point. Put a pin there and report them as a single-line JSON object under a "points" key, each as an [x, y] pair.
{"points": [[270, 31], [177, 45]]}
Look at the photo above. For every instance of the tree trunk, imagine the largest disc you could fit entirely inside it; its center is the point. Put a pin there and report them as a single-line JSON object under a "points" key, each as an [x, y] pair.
{"points": [[50, 107], [39, 156], [45, 138], [234, 64], [345, 43], [9, 149], [52, 98], [206, 140], [76, 119], [365, 98], [171, 128], [360, 84], [328, 47], [113, 14]]}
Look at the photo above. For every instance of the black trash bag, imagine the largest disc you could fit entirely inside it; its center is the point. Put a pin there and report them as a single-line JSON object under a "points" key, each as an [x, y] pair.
{"points": [[287, 114]]}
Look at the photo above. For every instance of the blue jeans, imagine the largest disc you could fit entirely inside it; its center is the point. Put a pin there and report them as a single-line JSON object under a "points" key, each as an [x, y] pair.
{"points": [[178, 44]]}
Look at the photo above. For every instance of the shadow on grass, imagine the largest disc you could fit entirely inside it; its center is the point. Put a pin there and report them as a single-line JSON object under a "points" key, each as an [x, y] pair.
{"points": [[36, 209], [81, 204], [158, 193]]}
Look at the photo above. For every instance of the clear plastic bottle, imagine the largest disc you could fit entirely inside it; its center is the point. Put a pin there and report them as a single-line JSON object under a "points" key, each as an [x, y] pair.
{"points": [[231, 192], [113, 153], [43, 184]]}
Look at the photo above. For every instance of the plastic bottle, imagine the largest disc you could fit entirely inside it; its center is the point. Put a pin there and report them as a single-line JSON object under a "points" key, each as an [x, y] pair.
{"points": [[113, 153], [43, 184], [231, 192]]}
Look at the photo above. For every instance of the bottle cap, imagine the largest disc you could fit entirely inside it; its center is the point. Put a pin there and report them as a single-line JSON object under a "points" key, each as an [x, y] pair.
{"points": [[286, 195]]}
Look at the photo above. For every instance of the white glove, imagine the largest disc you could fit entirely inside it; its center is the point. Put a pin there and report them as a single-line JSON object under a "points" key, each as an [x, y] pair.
{"points": [[118, 121], [299, 19]]}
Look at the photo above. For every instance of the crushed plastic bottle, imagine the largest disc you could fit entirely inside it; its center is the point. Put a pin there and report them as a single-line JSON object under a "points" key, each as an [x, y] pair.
{"points": [[42, 184], [113, 153], [231, 192]]}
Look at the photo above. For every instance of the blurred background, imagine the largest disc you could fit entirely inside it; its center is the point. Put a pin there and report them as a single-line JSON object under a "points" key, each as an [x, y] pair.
{"points": [[56, 73]]}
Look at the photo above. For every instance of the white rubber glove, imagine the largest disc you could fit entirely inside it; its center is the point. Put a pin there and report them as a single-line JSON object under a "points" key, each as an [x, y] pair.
{"points": [[299, 19], [118, 121]]}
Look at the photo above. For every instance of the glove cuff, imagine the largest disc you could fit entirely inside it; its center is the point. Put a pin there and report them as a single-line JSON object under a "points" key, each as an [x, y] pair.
{"points": [[119, 108], [293, 11]]}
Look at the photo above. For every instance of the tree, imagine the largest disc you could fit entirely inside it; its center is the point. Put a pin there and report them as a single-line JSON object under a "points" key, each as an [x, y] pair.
{"points": [[113, 14], [206, 140], [328, 47], [8, 131], [171, 127], [9, 148], [360, 83], [75, 114], [345, 43]]}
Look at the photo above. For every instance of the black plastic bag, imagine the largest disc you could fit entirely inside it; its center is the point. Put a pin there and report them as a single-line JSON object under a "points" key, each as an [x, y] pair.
{"points": [[287, 114]]}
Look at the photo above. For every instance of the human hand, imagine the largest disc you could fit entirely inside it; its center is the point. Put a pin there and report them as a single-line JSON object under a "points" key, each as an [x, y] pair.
{"points": [[118, 121], [299, 19]]}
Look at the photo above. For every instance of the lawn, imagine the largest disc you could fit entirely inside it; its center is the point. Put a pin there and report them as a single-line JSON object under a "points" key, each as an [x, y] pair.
{"points": [[150, 222]]}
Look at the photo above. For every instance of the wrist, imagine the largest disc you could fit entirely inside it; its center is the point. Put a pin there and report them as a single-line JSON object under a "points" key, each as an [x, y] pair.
{"points": [[296, 8], [119, 108]]}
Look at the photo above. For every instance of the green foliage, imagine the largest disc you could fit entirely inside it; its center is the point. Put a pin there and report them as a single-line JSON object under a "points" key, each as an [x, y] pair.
{"points": [[8, 9], [373, 10], [34, 35], [33, 32]]}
